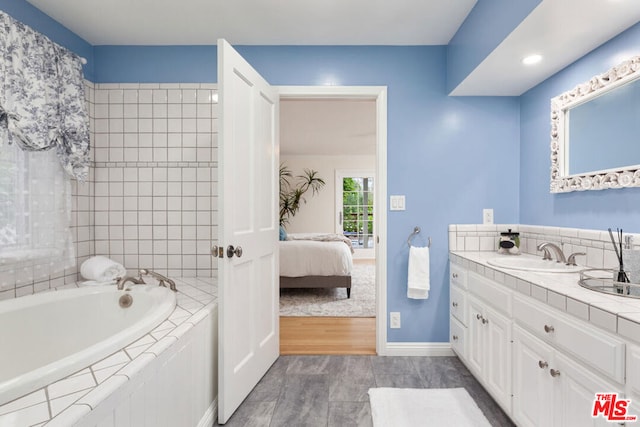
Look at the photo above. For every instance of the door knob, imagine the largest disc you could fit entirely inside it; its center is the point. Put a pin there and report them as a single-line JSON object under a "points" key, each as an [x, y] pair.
{"points": [[548, 329], [455, 304], [542, 364], [231, 251], [554, 373]]}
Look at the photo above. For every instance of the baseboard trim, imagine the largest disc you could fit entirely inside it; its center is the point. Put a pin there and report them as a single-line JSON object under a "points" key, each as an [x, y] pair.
{"points": [[419, 349], [210, 415]]}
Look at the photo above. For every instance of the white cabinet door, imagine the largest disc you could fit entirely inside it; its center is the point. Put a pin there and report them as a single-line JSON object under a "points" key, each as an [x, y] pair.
{"points": [[475, 337], [497, 329], [574, 392], [532, 398]]}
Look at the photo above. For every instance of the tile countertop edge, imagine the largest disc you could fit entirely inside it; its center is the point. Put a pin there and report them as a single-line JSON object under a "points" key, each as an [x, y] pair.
{"points": [[562, 292]]}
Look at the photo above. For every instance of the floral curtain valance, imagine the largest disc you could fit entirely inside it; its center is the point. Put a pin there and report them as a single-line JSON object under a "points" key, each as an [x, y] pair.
{"points": [[42, 103]]}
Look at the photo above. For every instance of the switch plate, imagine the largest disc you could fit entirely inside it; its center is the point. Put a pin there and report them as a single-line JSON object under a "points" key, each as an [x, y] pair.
{"points": [[487, 216], [397, 203], [394, 320]]}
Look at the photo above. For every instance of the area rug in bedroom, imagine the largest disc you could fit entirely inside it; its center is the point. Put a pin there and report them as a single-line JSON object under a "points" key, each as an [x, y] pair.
{"points": [[431, 407], [333, 302]]}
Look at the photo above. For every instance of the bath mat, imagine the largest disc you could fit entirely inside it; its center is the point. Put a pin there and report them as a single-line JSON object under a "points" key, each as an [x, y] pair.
{"points": [[409, 407]]}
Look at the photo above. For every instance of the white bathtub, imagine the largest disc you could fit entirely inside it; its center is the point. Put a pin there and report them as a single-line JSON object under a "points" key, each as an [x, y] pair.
{"points": [[48, 336]]}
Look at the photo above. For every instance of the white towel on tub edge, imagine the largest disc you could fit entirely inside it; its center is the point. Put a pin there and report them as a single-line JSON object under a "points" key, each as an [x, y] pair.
{"points": [[418, 279]]}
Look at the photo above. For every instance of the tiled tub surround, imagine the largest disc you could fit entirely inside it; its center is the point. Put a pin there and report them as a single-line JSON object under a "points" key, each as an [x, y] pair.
{"points": [[595, 243], [151, 197], [156, 176], [178, 357]]}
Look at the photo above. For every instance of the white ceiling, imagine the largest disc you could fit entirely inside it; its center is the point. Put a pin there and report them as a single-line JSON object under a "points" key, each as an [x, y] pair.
{"points": [[327, 127], [260, 22], [561, 30]]}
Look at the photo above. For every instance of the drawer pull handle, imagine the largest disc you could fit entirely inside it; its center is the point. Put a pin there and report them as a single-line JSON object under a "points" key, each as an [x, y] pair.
{"points": [[455, 338], [542, 364], [455, 275], [455, 304], [554, 373], [548, 329], [485, 321], [478, 316]]}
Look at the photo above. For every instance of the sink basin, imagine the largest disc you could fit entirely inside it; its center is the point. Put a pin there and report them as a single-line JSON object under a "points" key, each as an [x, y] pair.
{"points": [[533, 264]]}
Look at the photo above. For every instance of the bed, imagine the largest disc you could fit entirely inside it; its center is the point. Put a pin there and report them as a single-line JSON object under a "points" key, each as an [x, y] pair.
{"points": [[313, 260]]}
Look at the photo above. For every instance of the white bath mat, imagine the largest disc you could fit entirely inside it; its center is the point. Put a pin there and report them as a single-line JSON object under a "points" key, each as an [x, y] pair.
{"points": [[411, 407]]}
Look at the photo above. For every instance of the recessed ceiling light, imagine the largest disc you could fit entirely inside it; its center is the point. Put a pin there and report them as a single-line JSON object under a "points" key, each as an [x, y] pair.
{"points": [[532, 59]]}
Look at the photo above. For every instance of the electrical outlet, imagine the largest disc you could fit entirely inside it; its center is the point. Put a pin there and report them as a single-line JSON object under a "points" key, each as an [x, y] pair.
{"points": [[487, 216], [394, 320]]}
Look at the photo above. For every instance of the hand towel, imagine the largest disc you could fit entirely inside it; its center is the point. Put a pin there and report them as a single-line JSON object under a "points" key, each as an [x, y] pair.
{"points": [[101, 269], [418, 280]]}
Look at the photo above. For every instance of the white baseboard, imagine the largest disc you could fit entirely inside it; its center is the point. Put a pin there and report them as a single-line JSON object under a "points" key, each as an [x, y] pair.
{"points": [[419, 349], [210, 415]]}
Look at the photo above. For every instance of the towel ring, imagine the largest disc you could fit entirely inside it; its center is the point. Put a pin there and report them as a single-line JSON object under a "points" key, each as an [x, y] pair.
{"points": [[416, 230]]}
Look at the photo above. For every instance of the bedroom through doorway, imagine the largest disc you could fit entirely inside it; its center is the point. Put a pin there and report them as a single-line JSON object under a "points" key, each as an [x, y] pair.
{"points": [[335, 137]]}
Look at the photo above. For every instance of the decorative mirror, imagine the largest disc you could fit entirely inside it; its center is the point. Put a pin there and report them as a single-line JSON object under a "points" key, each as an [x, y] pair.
{"points": [[594, 132]]}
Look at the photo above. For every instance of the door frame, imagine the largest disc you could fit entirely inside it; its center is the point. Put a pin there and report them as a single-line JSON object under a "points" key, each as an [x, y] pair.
{"points": [[379, 94]]}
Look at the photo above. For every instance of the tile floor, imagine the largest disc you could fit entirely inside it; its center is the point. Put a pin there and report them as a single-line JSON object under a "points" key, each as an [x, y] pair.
{"points": [[331, 391]]}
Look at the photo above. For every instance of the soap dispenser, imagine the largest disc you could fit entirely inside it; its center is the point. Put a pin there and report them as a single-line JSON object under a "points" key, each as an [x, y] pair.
{"points": [[509, 243]]}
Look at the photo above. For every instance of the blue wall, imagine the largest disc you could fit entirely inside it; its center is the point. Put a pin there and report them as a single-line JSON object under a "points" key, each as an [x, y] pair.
{"points": [[26, 13], [488, 24], [152, 64], [591, 209], [451, 157]]}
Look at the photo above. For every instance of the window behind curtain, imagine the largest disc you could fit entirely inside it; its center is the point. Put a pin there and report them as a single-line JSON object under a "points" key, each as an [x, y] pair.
{"points": [[35, 213]]}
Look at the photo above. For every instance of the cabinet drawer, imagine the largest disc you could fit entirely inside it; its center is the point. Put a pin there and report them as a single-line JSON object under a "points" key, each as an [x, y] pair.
{"points": [[598, 349], [457, 275], [459, 304], [496, 295], [458, 334]]}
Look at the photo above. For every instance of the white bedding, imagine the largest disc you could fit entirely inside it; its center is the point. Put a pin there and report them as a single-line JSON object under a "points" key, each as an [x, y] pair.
{"points": [[310, 258]]}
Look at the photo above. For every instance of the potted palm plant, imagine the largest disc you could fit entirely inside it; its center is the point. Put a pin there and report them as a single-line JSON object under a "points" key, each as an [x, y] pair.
{"points": [[293, 189]]}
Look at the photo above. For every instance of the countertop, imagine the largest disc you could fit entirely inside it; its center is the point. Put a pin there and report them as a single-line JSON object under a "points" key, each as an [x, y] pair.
{"points": [[615, 314]]}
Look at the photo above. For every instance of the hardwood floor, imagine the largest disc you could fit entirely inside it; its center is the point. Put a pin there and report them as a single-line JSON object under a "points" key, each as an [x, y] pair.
{"points": [[327, 335]]}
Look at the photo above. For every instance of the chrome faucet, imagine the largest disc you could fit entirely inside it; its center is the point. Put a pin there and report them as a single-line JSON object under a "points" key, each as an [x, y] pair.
{"points": [[160, 278], [123, 280], [558, 251]]}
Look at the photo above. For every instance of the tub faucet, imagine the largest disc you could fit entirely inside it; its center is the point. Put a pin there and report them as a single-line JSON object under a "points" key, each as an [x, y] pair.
{"points": [[558, 251], [123, 280], [160, 278]]}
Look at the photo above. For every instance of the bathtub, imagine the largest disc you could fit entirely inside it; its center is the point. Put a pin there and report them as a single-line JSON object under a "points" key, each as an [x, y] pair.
{"points": [[48, 336]]}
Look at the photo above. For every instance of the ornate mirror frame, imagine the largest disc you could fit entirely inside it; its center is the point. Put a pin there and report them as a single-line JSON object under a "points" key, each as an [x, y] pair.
{"points": [[626, 176]]}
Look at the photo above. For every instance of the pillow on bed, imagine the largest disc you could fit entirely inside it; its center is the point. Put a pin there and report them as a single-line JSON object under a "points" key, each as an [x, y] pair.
{"points": [[283, 233]]}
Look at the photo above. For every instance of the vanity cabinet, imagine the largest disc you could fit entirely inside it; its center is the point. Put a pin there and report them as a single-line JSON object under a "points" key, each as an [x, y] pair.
{"points": [[549, 388], [542, 366]]}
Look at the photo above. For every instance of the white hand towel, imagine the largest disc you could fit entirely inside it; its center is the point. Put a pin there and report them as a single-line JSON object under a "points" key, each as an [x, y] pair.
{"points": [[418, 282], [101, 269]]}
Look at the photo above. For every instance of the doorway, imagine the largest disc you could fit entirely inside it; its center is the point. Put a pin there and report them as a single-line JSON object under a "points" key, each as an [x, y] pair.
{"points": [[367, 226]]}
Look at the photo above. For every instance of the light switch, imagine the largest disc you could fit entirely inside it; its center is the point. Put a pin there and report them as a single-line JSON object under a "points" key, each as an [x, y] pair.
{"points": [[397, 203]]}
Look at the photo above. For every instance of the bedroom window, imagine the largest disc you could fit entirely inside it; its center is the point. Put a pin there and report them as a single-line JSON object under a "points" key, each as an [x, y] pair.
{"points": [[355, 210]]}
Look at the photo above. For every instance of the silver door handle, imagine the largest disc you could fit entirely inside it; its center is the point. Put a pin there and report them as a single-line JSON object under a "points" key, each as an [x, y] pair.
{"points": [[554, 373], [340, 218], [231, 251], [542, 364], [548, 329]]}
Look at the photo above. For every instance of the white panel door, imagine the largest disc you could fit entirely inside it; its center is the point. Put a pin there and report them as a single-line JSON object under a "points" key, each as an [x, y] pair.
{"points": [[498, 360], [248, 289]]}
